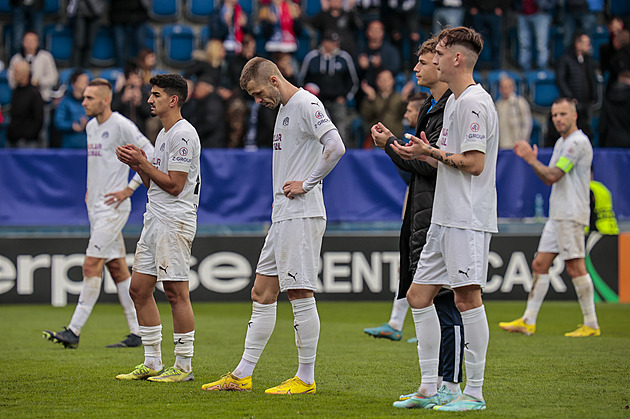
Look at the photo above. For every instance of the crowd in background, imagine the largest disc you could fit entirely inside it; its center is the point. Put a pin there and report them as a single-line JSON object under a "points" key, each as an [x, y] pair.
{"points": [[360, 66]]}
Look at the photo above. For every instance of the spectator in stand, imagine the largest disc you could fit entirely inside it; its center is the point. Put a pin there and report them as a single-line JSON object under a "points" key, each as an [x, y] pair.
{"points": [[402, 22], [44, 73], [205, 111], [620, 60], [26, 15], [382, 104], [211, 65], [131, 100], [533, 19], [146, 62], [447, 13], [575, 77], [378, 54], [128, 19], [229, 23], [615, 25], [580, 15], [27, 109], [368, 10], [70, 118], [515, 115], [487, 18], [83, 15], [614, 123], [281, 24], [334, 18], [333, 71]]}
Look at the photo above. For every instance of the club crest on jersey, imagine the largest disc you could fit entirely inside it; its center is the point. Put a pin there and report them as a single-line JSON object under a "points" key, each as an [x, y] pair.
{"points": [[183, 151], [319, 115], [285, 121], [105, 135], [474, 127]]}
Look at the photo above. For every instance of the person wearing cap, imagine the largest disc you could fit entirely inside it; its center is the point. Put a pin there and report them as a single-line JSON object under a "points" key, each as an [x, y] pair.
{"points": [[332, 69]]}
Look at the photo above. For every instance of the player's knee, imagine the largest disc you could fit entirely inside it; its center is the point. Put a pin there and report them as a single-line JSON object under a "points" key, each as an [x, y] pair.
{"points": [[298, 294], [264, 295], [416, 299], [176, 296], [92, 267]]}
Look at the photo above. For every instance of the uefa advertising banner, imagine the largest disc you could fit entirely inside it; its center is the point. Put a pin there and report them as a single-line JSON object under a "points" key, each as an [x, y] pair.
{"points": [[353, 267]]}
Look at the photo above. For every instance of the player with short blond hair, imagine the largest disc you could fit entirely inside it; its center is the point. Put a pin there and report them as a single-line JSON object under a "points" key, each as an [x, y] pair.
{"points": [[569, 173], [306, 147]]}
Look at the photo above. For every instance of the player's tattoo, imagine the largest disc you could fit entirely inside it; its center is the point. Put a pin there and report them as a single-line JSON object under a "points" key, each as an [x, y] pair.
{"points": [[446, 159]]}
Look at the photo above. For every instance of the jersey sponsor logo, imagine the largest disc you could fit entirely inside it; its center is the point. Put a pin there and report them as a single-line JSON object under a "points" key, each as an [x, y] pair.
{"points": [[185, 140], [320, 122], [319, 115], [105, 135], [476, 136], [476, 113], [156, 162], [277, 142], [183, 151], [94, 149], [474, 127], [285, 121], [444, 136], [181, 159]]}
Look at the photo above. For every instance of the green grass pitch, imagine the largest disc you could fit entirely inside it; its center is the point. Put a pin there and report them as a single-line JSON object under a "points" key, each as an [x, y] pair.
{"points": [[545, 375]]}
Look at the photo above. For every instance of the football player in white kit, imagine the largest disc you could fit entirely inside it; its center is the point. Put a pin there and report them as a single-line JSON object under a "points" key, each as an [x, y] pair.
{"points": [[108, 210], [163, 252], [306, 147], [463, 220], [569, 173]]}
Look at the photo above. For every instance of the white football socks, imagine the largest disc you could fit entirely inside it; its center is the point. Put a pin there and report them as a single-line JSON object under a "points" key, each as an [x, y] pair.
{"points": [[259, 330], [128, 307], [87, 299], [399, 312], [151, 340], [429, 335], [306, 324], [585, 294], [536, 297], [477, 336], [184, 350]]}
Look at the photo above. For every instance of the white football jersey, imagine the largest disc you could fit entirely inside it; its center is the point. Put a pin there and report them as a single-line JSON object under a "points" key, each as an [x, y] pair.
{"points": [[569, 198], [463, 200], [296, 150], [105, 172], [177, 150]]}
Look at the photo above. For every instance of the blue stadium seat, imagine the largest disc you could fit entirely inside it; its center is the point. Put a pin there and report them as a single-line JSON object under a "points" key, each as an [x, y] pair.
{"points": [[495, 76], [103, 50], [537, 136], [426, 9], [178, 42], [199, 10], [5, 90], [59, 42], [5, 7], [542, 88], [556, 42], [52, 7], [165, 10], [204, 36], [111, 75], [312, 7], [620, 7], [64, 75], [600, 37]]}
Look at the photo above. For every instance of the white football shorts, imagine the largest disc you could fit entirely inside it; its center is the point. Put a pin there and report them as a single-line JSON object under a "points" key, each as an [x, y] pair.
{"points": [[291, 252], [454, 257], [566, 238], [164, 249], [106, 239]]}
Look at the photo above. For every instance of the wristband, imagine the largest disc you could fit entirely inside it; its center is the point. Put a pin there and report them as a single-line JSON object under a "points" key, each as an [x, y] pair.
{"points": [[133, 184]]}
